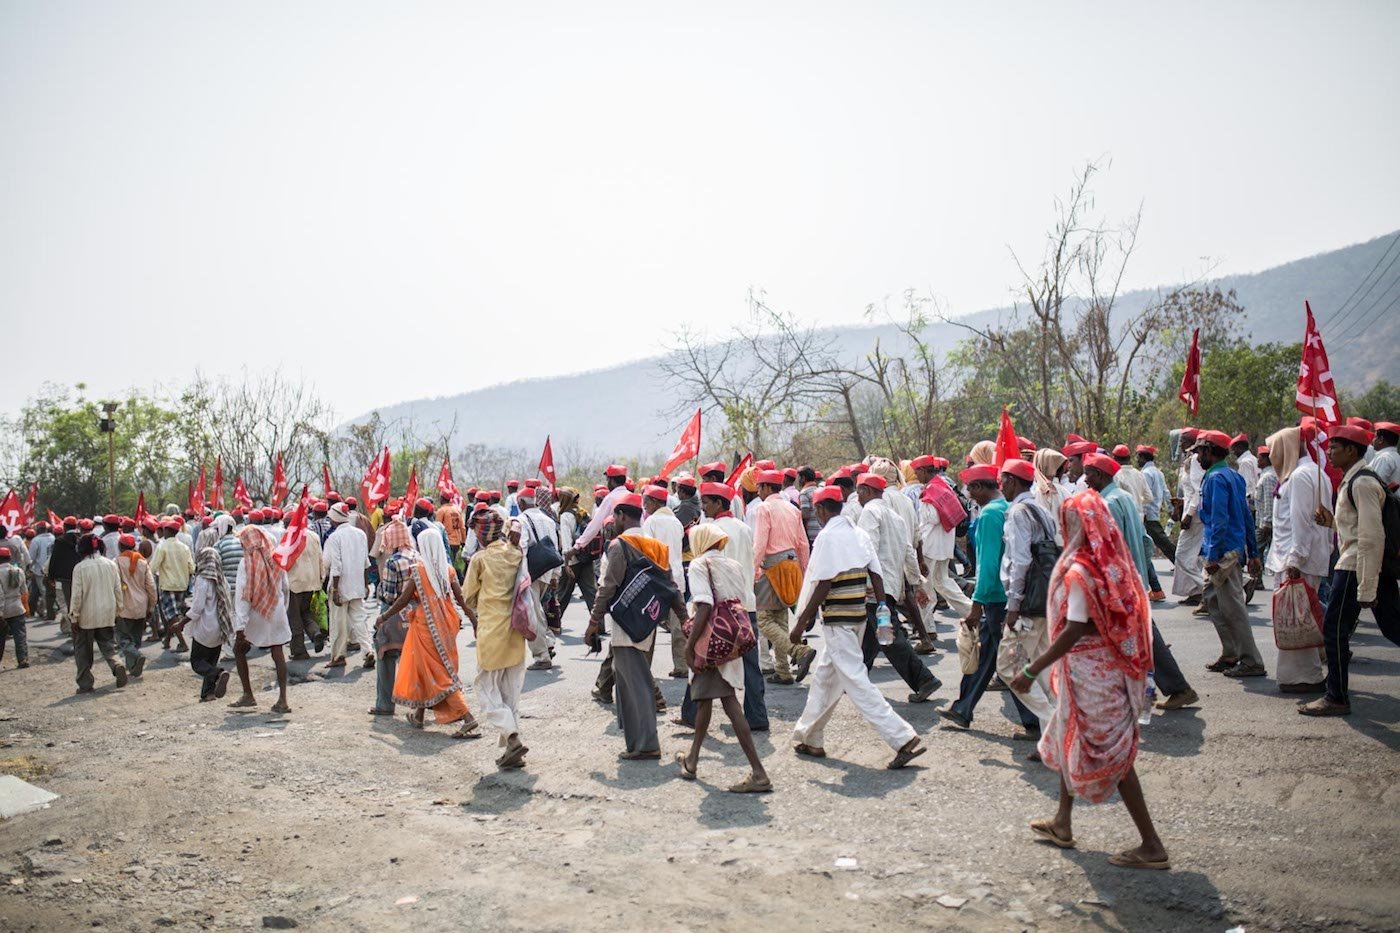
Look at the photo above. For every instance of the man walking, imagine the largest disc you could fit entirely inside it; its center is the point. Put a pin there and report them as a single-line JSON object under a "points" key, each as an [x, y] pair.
{"points": [[97, 592], [346, 559], [172, 565], [1228, 537], [780, 552]]}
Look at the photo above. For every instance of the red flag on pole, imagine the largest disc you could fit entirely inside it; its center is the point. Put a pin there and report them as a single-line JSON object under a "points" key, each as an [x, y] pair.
{"points": [[1008, 448], [56, 522], [240, 493], [326, 478], [410, 493], [219, 483], [546, 467], [196, 502], [27, 516], [376, 481], [687, 446], [1190, 391], [1317, 390], [445, 485], [141, 513], [10, 511], [744, 464], [294, 538], [279, 483]]}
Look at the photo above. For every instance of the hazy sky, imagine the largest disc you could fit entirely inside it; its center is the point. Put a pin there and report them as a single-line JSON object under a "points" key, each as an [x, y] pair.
{"points": [[519, 189]]}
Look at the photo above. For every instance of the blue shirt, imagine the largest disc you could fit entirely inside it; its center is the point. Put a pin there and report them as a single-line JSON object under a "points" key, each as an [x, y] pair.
{"points": [[1225, 514]]}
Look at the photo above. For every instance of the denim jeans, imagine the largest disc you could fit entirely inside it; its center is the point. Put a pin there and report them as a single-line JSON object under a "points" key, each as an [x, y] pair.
{"points": [[14, 629], [1339, 621], [755, 709]]}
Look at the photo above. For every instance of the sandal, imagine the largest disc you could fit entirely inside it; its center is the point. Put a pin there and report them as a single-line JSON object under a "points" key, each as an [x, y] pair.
{"points": [[467, 730], [1133, 860], [376, 711], [513, 758], [749, 786], [1324, 707], [280, 707], [243, 703], [678, 721], [641, 756], [686, 773], [908, 753], [1044, 829], [336, 662], [415, 723], [810, 751]]}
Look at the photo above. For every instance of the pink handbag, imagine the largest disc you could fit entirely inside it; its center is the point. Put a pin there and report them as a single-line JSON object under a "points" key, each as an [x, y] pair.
{"points": [[728, 633]]}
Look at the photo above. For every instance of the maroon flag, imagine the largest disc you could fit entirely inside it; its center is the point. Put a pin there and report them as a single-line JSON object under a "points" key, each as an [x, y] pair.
{"points": [[56, 522], [1008, 446], [376, 481], [743, 465], [294, 538], [546, 467], [326, 478], [687, 446], [1190, 391], [1317, 390]]}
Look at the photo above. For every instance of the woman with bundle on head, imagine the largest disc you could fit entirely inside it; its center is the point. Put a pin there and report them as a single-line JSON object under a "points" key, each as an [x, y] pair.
{"points": [[1100, 656]]}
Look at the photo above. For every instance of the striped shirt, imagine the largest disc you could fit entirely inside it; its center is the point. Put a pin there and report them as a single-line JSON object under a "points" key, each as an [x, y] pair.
{"points": [[230, 556], [845, 601]]}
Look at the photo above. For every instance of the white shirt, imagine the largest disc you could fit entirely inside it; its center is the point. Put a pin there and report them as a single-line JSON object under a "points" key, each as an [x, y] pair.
{"points": [[1131, 480], [537, 525], [891, 539], [1299, 541], [1017, 533], [1189, 482], [902, 507], [204, 615], [1156, 490], [1247, 465], [346, 555], [938, 544], [1386, 465], [740, 547], [666, 528]]}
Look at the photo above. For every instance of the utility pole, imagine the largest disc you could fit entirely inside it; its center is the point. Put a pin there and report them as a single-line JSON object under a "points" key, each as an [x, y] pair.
{"points": [[108, 425]]}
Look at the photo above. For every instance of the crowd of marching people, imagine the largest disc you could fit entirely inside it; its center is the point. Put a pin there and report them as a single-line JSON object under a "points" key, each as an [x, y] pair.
{"points": [[1042, 563]]}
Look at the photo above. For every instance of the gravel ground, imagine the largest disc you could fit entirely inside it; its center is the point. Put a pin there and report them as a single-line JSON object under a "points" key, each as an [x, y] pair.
{"points": [[186, 815]]}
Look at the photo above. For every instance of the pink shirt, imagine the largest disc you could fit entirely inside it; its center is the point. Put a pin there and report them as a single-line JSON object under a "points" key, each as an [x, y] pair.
{"points": [[777, 527]]}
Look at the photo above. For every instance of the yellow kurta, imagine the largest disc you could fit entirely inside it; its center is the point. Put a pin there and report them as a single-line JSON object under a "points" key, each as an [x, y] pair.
{"points": [[490, 592]]}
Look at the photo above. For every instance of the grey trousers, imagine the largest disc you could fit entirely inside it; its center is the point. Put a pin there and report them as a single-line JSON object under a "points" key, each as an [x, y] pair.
{"points": [[607, 677], [129, 632], [83, 641], [384, 673], [1224, 598]]}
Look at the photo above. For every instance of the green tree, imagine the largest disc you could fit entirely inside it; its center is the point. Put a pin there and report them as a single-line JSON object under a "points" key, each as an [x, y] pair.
{"points": [[1381, 402], [1243, 388]]}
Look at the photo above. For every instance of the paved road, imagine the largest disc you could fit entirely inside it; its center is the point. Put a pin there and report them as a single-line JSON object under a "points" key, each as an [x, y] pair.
{"points": [[186, 815]]}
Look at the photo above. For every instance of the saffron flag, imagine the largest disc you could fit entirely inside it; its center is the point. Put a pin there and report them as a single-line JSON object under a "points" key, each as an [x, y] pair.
{"points": [[141, 513], [219, 483], [1190, 391], [294, 538], [1317, 390], [27, 510], [197, 495], [445, 485], [687, 446], [1007, 446], [279, 483], [376, 481], [546, 467], [739, 469], [240, 493], [10, 510], [410, 493]]}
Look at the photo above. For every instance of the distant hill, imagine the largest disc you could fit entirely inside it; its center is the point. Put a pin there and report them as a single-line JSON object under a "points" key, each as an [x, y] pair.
{"points": [[616, 412]]}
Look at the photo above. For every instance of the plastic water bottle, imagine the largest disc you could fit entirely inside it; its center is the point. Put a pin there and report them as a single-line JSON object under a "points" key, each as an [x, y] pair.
{"points": [[884, 631], [1149, 698]]}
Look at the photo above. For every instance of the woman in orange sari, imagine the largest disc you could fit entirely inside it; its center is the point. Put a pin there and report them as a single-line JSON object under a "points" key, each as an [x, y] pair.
{"points": [[427, 675], [1099, 658]]}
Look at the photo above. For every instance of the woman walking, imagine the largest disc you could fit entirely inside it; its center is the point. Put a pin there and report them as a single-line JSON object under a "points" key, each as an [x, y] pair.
{"points": [[427, 669], [715, 580], [1100, 657]]}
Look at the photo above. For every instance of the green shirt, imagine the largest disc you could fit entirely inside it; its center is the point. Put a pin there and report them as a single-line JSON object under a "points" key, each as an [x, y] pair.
{"points": [[989, 545]]}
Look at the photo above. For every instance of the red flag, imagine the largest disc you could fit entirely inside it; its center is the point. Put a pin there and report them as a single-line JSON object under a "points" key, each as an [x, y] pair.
{"points": [[10, 511], [240, 493], [27, 510], [739, 471], [686, 447], [326, 486], [196, 502], [1190, 391], [547, 463], [376, 482], [445, 485], [219, 483], [141, 513], [279, 483], [1317, 390], [1007, 446], [294, 538], [410, 492], [55, 521]]}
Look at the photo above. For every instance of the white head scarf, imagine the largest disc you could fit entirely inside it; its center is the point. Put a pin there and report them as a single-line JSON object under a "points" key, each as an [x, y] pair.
{"points": [[434, 556]]}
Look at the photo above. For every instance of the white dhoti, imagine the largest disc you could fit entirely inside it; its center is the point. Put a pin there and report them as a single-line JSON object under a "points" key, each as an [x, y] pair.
{"points": [[1189, 579], [498, 699], [840, 670]]}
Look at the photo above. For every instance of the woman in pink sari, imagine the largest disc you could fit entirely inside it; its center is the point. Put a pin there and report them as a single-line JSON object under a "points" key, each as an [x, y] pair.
{"points": [[1100, 656]]}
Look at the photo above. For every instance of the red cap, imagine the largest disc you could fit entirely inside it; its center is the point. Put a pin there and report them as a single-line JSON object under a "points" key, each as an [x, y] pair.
{"points": [[615, 470], [350, 500], [4, 552], [1025, 443], [840, 473], [170, 524], [1216, 438], [859, 468], [70, 521], [828, 494], [495, 495], [941, 462], [1074, 439], [110, 519], [632, 499], [1122, 451], [274, 513], [1101, 463], [770, 477], [600, 490], [149, 523], [1239, 439], [656, 492], [1262, 450], [925, 462], [1147, 449], [717, 489], [982, 472], [320, 505], [718, 466], [1362, 423], [473, 490], [424, 503], [532, 484], [1021, 469], [765, 465], [126, 541], [85, 524], [128, 523], [1079, 448], [686, 480], [1188, 433], [1388, 427], [790, 473], [873, 480], [483, 495], [257, 515], [479, 506], [512, 484], [1350, 432], [332, 496]]}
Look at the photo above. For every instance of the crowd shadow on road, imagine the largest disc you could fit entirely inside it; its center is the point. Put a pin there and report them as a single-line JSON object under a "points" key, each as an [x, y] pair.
{"points": [[860, 782], [501, 792], [1375, 717], [720, 809], [1139, 900], [1177, 734]]}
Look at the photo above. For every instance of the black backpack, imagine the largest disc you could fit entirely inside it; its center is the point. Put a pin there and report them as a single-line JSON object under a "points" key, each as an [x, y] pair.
{"points": [[645, 596], [1390, 520], [1045, 553]]}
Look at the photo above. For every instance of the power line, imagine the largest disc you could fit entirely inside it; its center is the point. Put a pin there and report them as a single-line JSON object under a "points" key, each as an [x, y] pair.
{"points": [[1341, 313], [1382, 296], [1364, 324]]}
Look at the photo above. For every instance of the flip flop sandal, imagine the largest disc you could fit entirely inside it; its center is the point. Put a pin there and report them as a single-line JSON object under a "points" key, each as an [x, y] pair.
{"points": [[810, 751], [1043, 830], [467, 732], [749, 786], [221, 687], [1324, 708], [1129, 860], [281, 708], [903, 758], [513, 758], [243, 704], [686, 773]]}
